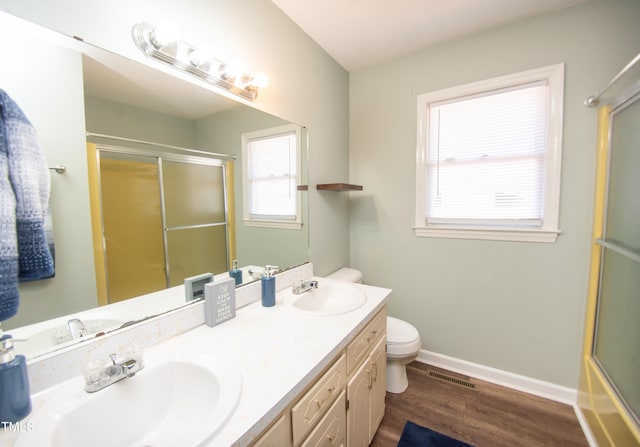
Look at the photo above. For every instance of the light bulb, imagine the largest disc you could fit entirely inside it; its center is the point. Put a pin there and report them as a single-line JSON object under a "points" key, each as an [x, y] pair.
{"points": [[234, 69], [201, 55], [259, 81], [164, 34]]}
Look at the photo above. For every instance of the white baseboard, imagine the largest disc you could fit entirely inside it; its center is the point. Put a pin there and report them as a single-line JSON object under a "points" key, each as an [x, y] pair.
{"points": [[518, 382]]}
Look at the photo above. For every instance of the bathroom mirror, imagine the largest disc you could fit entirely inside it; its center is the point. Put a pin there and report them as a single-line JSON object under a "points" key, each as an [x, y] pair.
{"points": [[68, 88]]}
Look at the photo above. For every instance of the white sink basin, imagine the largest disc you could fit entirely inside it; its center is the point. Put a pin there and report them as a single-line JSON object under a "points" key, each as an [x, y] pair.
{"points": [[330, 298], [181, 401]]}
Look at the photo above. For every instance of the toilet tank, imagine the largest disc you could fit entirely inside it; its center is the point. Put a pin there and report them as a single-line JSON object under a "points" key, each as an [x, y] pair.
{"points": [[346, 274]]}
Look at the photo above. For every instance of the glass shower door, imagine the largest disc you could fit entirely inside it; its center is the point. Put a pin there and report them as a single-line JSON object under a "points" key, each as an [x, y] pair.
{"points": [[195, 219], [609, 394], [617, 336], [132, 225]]}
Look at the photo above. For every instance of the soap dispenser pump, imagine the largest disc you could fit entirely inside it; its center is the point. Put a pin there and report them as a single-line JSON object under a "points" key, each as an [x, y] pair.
{"points": [[15, 399], [235, 272], [269, 286]]}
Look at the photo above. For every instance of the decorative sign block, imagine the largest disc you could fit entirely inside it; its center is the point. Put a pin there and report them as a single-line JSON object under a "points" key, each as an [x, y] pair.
{"points": [[194, 286], [219, 301]]}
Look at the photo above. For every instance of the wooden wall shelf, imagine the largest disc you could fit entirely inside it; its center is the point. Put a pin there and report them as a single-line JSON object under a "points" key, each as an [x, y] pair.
{"points": [[338, 187]]}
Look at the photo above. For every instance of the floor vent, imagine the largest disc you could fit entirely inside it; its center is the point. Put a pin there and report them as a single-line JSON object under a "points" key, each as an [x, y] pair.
{"points": [[451, 379]]}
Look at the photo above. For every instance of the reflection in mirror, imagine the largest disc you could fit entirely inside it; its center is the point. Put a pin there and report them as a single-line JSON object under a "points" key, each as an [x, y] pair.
{"points": [[158, 218], [86, 89]]}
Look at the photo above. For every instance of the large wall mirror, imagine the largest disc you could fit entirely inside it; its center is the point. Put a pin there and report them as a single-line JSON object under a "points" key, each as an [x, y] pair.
{"points": [[68, 89]]}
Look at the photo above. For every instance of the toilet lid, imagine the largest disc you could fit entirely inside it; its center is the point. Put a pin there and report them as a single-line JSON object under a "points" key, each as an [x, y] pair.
{"points": [[399, 331]]}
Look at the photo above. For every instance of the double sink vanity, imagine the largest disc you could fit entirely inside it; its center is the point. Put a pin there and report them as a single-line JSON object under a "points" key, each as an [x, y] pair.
{"points": [[308, 371]]}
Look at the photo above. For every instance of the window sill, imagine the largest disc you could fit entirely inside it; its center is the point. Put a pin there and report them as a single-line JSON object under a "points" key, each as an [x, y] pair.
{"points": [[273, 224], [515, 235]]}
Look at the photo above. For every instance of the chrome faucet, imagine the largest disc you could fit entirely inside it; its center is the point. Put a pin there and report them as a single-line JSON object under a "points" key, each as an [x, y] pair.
{"points": [[98, 376], [77, 328], [304, 286]]}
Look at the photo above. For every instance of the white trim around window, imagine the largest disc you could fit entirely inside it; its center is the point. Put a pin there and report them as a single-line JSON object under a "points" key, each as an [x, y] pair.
{"points": [[542, 229], [286, 174]]}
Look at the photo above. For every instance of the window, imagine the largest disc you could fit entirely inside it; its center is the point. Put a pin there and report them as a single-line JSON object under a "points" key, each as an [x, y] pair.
{"points": [[271, 160], [489, 158]]}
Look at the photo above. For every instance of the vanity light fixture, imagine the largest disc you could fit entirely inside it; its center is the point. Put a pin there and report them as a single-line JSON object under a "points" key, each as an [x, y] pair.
{"points": [[163, 43]]}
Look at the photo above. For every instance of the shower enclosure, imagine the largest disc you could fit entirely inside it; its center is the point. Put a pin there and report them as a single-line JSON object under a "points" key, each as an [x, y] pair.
{"points": [[610, 390], [158, 218]]}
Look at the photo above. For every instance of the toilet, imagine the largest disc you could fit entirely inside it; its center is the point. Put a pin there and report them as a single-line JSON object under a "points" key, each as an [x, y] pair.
{"points": [[403, 340], [403, 345]]}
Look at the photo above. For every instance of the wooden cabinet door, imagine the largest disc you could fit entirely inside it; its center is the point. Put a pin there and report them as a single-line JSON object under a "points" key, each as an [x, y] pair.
{"points": [[359, 403], [378, 362]]}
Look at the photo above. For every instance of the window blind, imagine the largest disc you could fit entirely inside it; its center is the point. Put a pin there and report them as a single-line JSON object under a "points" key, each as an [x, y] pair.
{"points": [[272, 174], [486, 158]]}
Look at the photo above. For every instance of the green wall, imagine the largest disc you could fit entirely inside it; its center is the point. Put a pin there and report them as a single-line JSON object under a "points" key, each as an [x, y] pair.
{"points": [[518, 307], [112, 118]]}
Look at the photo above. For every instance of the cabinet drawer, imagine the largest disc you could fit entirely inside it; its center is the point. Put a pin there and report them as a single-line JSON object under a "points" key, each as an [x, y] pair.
{"points": [[330, 432], [279, 435], [359, 348], [315, 403]]}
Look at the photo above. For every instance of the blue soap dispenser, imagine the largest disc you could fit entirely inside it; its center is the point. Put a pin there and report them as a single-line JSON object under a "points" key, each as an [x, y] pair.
{"points": [[236, 273], [15, 399], [269, 286]]}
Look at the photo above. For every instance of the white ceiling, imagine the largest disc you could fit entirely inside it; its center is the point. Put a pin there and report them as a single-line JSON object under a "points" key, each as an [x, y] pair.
{"points": [[362, 33]]}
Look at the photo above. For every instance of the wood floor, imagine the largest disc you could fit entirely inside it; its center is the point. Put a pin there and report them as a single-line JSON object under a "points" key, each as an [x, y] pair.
{"points": [[487, 416]]}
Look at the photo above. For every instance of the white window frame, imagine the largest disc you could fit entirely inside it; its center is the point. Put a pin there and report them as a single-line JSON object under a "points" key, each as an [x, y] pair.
{"points": [[548, 231], [271, 222]]}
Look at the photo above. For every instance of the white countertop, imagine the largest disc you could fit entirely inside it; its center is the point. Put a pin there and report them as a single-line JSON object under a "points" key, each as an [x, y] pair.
{"points": [[36, 339], [278, 350]]}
